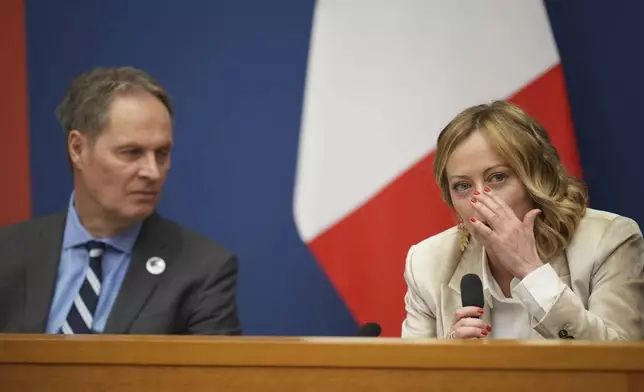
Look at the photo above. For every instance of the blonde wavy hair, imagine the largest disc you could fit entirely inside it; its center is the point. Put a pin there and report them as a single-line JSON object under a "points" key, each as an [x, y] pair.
{"points": [[526, 147]]}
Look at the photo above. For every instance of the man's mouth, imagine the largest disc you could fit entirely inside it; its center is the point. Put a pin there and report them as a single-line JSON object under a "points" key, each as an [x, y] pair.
{"points": [[146, 193]]}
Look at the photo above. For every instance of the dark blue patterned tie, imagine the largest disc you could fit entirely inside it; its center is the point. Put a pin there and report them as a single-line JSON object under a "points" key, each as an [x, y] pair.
{"points": [[80, 318]]}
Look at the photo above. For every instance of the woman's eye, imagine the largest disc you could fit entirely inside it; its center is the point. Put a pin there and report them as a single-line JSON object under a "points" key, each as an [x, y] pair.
{"points": [[497, 177], [461, 186]]}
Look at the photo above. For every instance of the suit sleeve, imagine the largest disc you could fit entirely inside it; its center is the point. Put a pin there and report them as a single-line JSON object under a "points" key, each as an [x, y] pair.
{"points": [[616, 302], [215, 312], [420, 322]]}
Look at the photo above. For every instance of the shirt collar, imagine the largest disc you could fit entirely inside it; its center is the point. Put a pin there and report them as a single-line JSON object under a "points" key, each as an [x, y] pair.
{"points": [[75, 233], [490, 285]]}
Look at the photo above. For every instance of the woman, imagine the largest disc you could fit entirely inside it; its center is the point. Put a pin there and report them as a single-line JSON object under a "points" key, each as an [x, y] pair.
{"points": [[550, 266]]}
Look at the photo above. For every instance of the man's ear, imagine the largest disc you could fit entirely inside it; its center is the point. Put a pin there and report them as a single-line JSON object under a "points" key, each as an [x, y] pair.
{"points": [[76, 146]]}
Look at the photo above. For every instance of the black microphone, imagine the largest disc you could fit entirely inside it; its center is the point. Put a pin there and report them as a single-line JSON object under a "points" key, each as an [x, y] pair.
{"points": [[472, 291], [369, 330]]}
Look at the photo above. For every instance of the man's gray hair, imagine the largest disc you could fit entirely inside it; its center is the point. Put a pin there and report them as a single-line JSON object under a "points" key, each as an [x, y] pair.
{"points": [[86, 103]]}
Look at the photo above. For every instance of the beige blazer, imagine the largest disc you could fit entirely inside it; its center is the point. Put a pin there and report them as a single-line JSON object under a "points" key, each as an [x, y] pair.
{"points": [[603, 269]]}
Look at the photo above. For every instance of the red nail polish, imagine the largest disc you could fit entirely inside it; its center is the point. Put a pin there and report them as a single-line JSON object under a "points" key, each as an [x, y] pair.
{"points": [[484, 333], [480, 310], [472, 220], [486, 189], [489, 329], [474, 200], [477, 192]]}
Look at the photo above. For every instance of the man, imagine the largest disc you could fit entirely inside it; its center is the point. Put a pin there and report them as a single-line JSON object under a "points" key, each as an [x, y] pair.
{"points": [[109, 263]]}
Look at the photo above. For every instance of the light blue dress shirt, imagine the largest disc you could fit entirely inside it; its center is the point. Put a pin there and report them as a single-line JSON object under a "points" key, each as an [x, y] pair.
{"points": [[74, 261]]}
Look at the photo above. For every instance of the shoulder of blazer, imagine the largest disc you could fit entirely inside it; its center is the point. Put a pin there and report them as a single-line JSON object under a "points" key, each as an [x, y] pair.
{"points": [[20, 230], [186, 240], [433, 260], [438, 244], [598, 234]]}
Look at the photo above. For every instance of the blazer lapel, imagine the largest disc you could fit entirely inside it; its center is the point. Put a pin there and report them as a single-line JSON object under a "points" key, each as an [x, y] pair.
{"points": [[139, 284], [471, 262], [42, 259]]}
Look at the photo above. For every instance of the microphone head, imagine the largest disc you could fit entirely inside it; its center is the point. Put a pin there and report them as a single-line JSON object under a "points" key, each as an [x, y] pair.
{"points": [[369, 330], [472, 291]]}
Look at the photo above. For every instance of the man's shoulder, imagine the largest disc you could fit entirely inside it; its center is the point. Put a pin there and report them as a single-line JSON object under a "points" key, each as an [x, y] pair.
{"points": [[27, 227], [194, 241]]}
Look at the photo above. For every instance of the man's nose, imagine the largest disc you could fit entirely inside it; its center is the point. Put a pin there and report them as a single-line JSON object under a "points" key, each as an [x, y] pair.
{"points": [[150, 167]]}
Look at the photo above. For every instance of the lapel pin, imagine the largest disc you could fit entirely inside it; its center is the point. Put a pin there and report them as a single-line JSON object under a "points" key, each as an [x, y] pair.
{"points": [[155, 265]]}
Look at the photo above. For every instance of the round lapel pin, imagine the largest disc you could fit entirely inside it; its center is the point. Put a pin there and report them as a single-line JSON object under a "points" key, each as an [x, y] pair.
{"points": [[155, 265]]}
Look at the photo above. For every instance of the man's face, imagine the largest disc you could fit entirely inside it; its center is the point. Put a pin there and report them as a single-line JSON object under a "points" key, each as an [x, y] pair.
{"points": [[122, 171]]}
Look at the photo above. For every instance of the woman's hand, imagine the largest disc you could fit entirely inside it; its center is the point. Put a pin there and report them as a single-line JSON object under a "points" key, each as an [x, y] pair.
{"points": [[467, 325], [509, 239]]}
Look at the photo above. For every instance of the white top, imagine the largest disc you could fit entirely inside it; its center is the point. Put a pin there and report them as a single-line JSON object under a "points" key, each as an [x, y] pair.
{"points": [[512, 318]]}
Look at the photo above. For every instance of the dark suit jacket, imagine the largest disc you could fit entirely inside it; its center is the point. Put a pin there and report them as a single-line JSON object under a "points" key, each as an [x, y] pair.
{"points": [[196, 294]]}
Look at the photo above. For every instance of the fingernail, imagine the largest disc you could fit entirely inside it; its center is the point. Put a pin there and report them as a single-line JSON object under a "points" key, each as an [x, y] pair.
{"points": [[477, 192], [489, 328], [486, 189], [474, 200], [472, 220], [480, 310], [483, 332]]}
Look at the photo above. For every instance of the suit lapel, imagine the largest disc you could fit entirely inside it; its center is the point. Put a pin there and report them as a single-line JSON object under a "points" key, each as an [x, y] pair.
{"points": [[42, 259], [471, 262], [138, 284]]}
